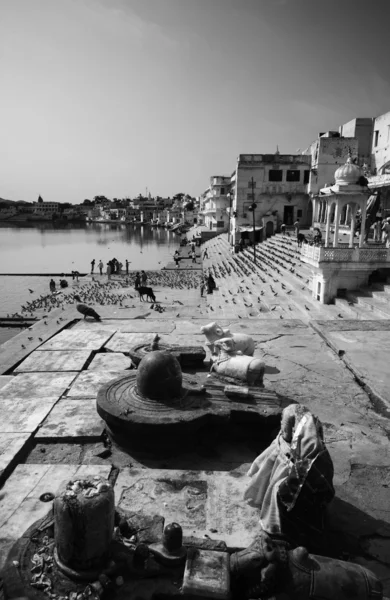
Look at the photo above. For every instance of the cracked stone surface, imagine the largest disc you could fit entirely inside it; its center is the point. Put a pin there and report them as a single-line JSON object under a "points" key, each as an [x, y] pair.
{"points": [[300, 367]]}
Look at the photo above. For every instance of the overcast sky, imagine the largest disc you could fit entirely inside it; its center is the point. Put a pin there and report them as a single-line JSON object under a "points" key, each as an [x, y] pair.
{"points": [[113, 96]]}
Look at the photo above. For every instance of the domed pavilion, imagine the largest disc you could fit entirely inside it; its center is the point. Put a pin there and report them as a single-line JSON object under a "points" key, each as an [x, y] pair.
{"points": [[338, 265]]}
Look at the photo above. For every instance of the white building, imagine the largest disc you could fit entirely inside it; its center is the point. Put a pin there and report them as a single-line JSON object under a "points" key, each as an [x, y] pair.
{"points": [[215, 202], [277, 184]]}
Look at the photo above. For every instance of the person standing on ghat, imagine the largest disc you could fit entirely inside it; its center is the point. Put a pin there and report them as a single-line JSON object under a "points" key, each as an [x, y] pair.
{"points": [[100, 265], [296, 227], [144, 278], [127, 267], [92, 266]]}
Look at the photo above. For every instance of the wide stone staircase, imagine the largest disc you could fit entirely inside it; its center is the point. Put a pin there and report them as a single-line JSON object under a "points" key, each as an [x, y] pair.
{"points": [[369, 302], [277, 285]]}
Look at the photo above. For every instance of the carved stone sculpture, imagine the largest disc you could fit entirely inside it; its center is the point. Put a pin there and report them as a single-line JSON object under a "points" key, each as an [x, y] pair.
{"points": [[236, 366], [291, 481], [243, 342], [270, 569]]}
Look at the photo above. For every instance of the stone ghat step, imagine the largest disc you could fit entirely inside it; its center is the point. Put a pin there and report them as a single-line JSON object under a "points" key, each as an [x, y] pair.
{"points": [[380, 309], [298, 304], [281, 254], [350, 309]]}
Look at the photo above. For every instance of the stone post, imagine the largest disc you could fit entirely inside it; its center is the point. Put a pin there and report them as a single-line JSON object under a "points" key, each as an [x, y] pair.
{"points": [[363, 226], [83, 527], [347, 214], [314, 202], [327, 233], [353, 225], [336, 225]]}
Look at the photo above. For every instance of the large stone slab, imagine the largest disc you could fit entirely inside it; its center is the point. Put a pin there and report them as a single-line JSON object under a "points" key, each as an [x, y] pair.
{"points": [[204, 503], [20, 503], [139, 325], [11, 446], [367, 355], [122, 341], [22, 415], [54, 360], [4, 379], [73, 339], [88, 383], [37, 385], [72, 419], [109, 361]]}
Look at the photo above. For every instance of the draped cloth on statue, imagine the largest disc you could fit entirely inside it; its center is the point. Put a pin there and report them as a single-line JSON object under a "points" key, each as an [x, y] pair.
{"points": [[291, 483]]}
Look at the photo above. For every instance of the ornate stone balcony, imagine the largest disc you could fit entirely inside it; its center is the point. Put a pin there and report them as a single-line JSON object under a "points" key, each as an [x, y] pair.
{"points": [[315, 255]]}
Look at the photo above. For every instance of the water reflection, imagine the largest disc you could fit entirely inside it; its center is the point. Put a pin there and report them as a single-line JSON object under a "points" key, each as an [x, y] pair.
{"points": [[51, 247]]}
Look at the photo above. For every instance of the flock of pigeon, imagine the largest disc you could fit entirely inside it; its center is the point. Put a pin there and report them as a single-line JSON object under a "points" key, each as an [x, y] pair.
{"points": [[118, 291]]}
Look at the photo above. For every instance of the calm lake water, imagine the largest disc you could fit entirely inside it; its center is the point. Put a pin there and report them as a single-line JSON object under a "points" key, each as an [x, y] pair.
{"points": [[47, 248]]}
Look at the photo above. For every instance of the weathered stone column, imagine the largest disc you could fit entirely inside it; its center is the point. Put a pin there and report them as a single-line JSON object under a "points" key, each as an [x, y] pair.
{"points": [[353, 226], [363, 226], [336, 225], [83, 527], [327, 233]]}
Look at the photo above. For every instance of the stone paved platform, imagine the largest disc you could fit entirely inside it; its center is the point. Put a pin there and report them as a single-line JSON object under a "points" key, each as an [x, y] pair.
{"points": [[302, 365]]}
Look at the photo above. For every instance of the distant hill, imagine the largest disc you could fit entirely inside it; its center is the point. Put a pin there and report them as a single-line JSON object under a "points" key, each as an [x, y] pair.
{"points": [[5, 201]]}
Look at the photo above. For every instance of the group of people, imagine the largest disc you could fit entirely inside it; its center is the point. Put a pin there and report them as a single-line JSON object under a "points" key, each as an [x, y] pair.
{"points": [[62, 283], [192, 254], [114, 267]]}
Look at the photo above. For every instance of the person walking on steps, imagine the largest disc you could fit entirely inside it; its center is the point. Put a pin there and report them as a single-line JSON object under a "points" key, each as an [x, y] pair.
{"points": [[210, 284], [297, 227], [205, 254], [92, 266], [283, 229]]}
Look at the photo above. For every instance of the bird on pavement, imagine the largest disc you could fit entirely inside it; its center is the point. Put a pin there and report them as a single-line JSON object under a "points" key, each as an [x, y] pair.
{"points": [[86, 310]]}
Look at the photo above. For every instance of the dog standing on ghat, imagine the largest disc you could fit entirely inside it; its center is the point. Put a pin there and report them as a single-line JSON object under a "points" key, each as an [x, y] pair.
{"points": [[301, 239], [146, 291]]}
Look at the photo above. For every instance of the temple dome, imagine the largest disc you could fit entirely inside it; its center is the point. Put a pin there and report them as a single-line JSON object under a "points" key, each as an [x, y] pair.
{"points": [[347, 174]]}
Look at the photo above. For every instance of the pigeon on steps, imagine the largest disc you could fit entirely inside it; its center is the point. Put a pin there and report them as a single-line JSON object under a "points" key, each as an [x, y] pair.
{"points": [[85, 310]]}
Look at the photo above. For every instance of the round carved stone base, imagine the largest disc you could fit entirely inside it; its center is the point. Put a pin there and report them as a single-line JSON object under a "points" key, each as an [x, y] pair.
{"points": [[137, 422]]}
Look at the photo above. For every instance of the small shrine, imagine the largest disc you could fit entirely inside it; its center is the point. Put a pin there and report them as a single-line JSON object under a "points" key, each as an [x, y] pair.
{"points": [[342, 265]]}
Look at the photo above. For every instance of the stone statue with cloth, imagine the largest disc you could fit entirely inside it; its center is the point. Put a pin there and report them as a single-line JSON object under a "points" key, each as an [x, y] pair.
{"points": [[291, 481]]}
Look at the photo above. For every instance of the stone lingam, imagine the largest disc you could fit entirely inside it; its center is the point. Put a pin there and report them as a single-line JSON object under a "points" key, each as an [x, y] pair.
{"points": [[85, 549], [159, 408]]}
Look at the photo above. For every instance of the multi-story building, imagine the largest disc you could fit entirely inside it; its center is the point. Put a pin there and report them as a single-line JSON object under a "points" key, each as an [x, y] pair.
{"points": [[47, 209], [327, 153], [215, 202], [277, 184]]}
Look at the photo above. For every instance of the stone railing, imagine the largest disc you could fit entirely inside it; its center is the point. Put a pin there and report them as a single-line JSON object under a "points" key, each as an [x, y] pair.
{"points": [[379, 180], [345, 254]]}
